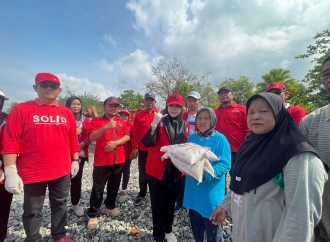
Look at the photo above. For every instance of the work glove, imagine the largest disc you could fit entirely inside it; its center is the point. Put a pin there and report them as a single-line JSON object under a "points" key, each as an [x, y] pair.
{"points": [[158, 117], [2, 174], [13, 182], [74, 168]]}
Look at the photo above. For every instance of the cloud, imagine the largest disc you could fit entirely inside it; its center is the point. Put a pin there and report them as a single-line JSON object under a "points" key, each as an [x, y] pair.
{"points": [[109, 38], [285, 64]]}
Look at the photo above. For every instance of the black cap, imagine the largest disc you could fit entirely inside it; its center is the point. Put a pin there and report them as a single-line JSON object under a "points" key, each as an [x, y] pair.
{"points": [[228, 89], [111, 100], [149, 95]]}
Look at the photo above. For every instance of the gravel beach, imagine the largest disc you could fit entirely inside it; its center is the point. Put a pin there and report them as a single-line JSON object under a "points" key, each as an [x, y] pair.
{"points": [[133, 224]]}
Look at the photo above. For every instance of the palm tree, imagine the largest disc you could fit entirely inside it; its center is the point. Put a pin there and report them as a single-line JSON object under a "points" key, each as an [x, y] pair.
{"points": [[275, 75]]}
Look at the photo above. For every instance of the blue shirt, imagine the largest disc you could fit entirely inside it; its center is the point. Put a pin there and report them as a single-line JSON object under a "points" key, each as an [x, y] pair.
{"points": [[207, 195]]}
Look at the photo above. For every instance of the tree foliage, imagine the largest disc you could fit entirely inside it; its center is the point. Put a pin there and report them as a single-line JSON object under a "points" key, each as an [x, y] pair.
{"points": [[130, 100], [274, 75], [319, 51], [243, 89]]}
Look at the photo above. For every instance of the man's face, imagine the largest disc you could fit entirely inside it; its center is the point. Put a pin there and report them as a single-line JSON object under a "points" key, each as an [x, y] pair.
{"points": [[149, 103], [193, 103], [47, 90], [326, 76], [110, 109], [225, 97], [282, 93]]}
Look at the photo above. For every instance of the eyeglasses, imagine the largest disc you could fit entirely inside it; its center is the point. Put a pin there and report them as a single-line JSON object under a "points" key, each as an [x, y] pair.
{"points": [[52, 85], [277, 92]]}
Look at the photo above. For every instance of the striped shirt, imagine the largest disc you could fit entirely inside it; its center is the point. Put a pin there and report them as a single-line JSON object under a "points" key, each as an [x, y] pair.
{"points": [[316, 127]]}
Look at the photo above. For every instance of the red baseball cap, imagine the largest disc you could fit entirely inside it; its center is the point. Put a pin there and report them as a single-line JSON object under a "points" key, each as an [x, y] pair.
{"points": [[111, 100], [174, 99], [47, 77], [275, 85], [124, 111]]}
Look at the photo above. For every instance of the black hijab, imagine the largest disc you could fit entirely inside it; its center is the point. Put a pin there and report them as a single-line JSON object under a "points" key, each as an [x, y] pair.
{"points": [[213, 122], [78, 116], [261, 157]]}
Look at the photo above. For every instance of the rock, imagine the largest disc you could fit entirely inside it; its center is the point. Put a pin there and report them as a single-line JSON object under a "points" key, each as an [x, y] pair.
{"points": [[134, 232]]}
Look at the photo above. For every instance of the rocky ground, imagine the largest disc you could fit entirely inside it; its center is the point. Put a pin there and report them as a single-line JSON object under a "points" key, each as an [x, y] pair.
{"points": [[133, 224]]}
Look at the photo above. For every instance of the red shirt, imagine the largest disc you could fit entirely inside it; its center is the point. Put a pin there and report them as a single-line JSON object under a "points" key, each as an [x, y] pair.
{"points": [[44, 137], [142, 122], [127, 145], [297, 113], [116, 156], [2, 128], [84, 134], [231, 122]]}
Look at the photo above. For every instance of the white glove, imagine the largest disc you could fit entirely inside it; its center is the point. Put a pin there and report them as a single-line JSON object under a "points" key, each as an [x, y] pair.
{"points": [[13, 182], [158, 117], [74, 168], [2, 174]]}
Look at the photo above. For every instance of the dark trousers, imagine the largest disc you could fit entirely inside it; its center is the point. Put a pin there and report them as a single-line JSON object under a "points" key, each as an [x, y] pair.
{"points": [[5, 202], [101, 176], [162, 207], [142, 161], [34, 196], [201, 226], [75, 189], [179, 200], [126, 174]]}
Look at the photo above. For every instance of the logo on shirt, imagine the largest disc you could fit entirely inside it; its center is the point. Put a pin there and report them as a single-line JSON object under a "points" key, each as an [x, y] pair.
{"points": [[49, 119], [236, 110]]}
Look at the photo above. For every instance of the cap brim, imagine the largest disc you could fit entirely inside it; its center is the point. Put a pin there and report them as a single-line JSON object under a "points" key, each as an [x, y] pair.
{"points": [[114, 103], [193, 96], [171, 103]]}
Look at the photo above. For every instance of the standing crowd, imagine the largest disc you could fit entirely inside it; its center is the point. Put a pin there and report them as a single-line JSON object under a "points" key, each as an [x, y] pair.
{"points": [[276, 155]]}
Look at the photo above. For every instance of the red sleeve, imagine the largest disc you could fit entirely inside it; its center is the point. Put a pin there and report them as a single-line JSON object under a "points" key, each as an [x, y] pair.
{"points": [[126, 128], [73, 136], [135, 132], [85, 131], [245, 126]]}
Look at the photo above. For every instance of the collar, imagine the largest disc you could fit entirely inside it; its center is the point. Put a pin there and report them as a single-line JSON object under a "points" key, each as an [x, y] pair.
{"points": [[39, 103], [115, 117], [327, 113], [153, 111], [233, 104]]}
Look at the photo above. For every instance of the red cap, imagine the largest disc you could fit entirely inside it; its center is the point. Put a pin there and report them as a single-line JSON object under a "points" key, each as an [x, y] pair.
{"points": [[44, 76], [111, 100], [275, 85], [174, 99], [124, 111]]}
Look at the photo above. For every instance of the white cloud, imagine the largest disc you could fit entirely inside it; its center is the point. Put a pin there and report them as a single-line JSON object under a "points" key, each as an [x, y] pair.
{"points": [[285, 64], [109, 38]]}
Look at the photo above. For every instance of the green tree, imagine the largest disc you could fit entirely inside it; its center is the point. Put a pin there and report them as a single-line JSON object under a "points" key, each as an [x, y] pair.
{"points": [[87, 99], [275, 75], [243, 89], [318, 96], [130, 100], [11, 105]]}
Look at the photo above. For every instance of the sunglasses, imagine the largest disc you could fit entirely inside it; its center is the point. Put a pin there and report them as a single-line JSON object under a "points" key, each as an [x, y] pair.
{"points": [[278, 92], [52, 85]]}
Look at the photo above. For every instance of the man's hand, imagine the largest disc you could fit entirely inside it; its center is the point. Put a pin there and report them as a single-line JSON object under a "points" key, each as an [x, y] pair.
{"points": [[78, 131], [111, 145], [218, 216], [158, 117], [13, 183], [82, 145], [74, 168], [111, 124], [134, 154]]}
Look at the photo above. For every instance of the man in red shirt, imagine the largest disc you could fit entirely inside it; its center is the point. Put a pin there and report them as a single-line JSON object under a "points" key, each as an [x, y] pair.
{"points": [[110, 133], [296, 112], [142, 123], [39, 139], [231, 120]]}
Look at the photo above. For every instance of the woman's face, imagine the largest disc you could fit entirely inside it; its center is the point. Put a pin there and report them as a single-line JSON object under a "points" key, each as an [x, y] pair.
{"points": [[203, 121], [75, 106], [260, 117], [174, 110]]}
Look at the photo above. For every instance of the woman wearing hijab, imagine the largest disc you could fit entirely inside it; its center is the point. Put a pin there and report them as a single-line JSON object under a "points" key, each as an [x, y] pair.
{"points": [[277, 180], [82, 123], [202, 198], [163, 177]]}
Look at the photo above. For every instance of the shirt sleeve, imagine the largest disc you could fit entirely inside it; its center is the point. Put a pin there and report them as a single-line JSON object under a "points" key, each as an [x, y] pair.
{"points": [[135, 132], [304, 178], [73, 136], [305, 124], [85, 131], [226, 202]]}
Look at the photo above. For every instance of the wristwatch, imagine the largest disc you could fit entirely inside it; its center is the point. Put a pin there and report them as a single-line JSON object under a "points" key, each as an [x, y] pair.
{"points": [[78, 160]]}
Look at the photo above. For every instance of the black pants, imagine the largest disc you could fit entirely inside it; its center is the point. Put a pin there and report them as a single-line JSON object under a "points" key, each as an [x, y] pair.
{"points": [[101, 176], [179, 199], [142, 161], [5, 202], [126, 174], [201, 225], [75, 190], [34, 196], [162, 207]]}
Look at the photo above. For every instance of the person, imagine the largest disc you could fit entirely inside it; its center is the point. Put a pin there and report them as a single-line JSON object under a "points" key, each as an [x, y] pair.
{"points": [[141, 124], [82, 125], [163, 177], [193, 101], [126, 116], [5, 197], [277, 180], [279, 88], [40, 136], [202, 198], [316, 127], [231, 120], [110, 133]]}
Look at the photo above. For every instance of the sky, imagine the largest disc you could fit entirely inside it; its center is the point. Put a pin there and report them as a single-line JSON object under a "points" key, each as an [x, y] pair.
{"points": [[107, 46]]}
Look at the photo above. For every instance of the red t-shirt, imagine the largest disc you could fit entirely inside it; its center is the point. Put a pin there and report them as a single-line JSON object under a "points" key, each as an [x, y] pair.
{"points": [[116, 156], [297, 113], [44, 137], [127, 145], [231, 122], [142, 122]]}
